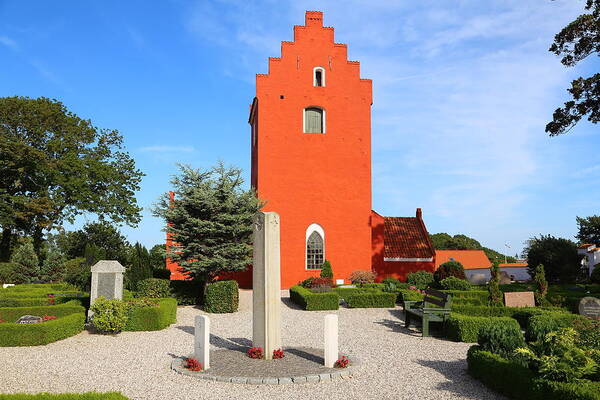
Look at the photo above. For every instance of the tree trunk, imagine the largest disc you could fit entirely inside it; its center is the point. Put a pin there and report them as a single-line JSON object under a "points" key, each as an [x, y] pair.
{"points": [[5, 243]]}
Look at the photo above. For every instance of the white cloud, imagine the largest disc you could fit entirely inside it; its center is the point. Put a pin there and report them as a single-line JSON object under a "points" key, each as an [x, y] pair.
{"points": [[8, 42], [167, 149]]}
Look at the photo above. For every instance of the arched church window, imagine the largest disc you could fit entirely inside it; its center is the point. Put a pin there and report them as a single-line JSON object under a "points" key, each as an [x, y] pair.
{"points": [[314, 251], [314, 120], [318, 76]]}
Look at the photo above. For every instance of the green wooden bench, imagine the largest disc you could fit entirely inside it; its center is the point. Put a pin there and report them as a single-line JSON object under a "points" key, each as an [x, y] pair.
{"points": [[423, 309]]}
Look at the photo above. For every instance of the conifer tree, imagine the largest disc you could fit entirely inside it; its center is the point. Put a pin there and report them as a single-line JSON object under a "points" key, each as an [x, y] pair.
{"points": [[28, 269], [53, 267], [495, 294], [211, 220], [326, 271], [139, 266], [541, 285]]}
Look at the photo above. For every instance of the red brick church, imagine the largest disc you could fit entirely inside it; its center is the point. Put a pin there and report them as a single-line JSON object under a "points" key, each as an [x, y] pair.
{"points": [[311, 162]]}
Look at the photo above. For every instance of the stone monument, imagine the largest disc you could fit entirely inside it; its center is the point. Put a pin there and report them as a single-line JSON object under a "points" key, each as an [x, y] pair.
{"points": [[331, 340], [107, 280], [266, 284], [519, 299], [202, 340], [590, 307]]}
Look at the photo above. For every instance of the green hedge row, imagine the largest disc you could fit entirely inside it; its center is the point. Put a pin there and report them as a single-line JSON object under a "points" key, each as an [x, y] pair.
{"points": [[42, 301], [371, 300], [468, 297], [152, 318], [65, 396], [222, 297], [314, 301], [465, 328], [518, 382], [12, 334], [11, 314], [409, 295]]}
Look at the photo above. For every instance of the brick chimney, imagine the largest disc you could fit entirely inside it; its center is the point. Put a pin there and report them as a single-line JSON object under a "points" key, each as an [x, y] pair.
{"points": [[419, 213]]}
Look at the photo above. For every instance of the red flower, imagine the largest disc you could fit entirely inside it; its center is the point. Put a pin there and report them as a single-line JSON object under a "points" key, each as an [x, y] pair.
{"points": [[255, 352], [193, 365], [342, 362], [278, 354], [48, 317]]}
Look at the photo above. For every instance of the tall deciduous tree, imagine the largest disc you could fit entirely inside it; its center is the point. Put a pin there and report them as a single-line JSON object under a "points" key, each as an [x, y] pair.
{"points": [[558, 255], [574, 43], [101, 234], [211, 220], [589, 229], [55, 166]]}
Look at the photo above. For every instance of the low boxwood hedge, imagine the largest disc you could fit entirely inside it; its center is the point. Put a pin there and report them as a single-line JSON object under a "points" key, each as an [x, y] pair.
{"points": [[13, 334], [538, 325], [152, 318], [65, 396], [472, 297], [221, 297], [314, 301], [371, 300], [11, 314], [409, 295], [518, 382], [465, 328]]}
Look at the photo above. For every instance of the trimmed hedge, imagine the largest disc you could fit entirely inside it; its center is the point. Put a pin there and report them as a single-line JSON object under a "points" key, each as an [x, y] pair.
{"points": [[187, 292], [11, 314], [371, 300], [465, 328], [42, 301], [12, 334], [472, 297], [518, 382], [222, 297], [314, 301], [409, 295], [540, 324], [65, 396], [153, 288], [152, 318], [343, 292]]}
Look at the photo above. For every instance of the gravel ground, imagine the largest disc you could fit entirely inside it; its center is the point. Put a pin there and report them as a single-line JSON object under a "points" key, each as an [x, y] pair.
{"points": [[396, 363]]}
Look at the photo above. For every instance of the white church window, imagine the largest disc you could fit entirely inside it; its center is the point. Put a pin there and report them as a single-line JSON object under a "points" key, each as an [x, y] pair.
{"points": [[318, 76], [315, 247]]}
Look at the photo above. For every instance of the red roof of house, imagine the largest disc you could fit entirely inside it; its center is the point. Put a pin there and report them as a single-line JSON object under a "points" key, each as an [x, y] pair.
{"points": [[470, 259], [513, 265], [406, 237]]}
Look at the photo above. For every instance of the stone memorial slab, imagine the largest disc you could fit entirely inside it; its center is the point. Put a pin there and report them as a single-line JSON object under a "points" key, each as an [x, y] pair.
{"points": [[519, 299], [29, 319], [107, 281], [590, 307]]}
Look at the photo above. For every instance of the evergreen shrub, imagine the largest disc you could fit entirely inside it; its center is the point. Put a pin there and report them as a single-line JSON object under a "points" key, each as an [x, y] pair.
{"points": [[595, 277], [7, 272], [153, 288], [539, 325], [501, 339], [326, 271], [187, 292], [447, 269], [110, 316], [409, 295], [371, 300], [314, 301], [466, 328], [454, 283], [420, 279], [221, 297], [153, 317]]}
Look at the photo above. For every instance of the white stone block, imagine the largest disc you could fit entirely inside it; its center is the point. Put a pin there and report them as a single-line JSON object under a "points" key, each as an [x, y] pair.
{"points": [[331, 340], [107, 281], [266, 284], [202, 340]]}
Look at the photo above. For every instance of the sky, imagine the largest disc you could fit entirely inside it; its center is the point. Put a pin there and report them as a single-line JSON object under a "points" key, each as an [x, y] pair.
{"points": [[462, 91]]}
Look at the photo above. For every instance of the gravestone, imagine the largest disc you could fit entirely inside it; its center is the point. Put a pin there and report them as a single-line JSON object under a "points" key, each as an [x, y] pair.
{"points": [[107, 281], [266, 284], [519, 299], [331, 340], [590, 307], [202, 340], [29, 319]]}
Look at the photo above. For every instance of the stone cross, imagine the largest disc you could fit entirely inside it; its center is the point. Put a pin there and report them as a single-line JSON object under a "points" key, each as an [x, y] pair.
{"points": [[266, 284], [107, 281], [331, 340], [202, 341]]}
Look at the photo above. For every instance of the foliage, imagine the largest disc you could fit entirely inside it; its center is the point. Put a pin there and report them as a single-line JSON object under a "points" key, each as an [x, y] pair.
{"points": [[465, 328], [7, 272], [556, 357], [574, 43], [153, 288], [323, 284], [558, 255], [78, 273], [211, 220], [454, 283], [188, 292], [139, 266], [495, 294], [371, 300], [158, 262], [391, 284], [314, 301], [342, 362], [307, 283], [221, 297], [362, 277], [255, 352], [55, 166], [326, 271], [107, 240], [420, 279], [541, 285], [28, 269], [151, 316], [447, 269], [595, 276], [539, 325], [277, 354], [410, 295], [65, 396], [519, 382], [192, 364], [588, 229], [589, 333], [443, 241], [110, 316], [13, 334], [53, 267], [501, 339]]}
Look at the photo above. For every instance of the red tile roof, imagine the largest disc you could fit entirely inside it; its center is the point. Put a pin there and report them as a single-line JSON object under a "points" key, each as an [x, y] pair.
{"points": [[513, 265], [470, 259], [406, 237]]}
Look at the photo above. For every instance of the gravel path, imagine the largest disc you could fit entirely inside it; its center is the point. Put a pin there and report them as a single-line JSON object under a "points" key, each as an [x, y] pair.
{"points": [[396, 363]]}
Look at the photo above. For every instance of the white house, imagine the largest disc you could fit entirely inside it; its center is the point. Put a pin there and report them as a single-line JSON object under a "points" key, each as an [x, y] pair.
{"points": [[592, 256]]}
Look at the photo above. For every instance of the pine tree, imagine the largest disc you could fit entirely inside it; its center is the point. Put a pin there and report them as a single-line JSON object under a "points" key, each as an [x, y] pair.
{"points": [[28, 263], [139, 266], [541, 285], [326, 271], [495, 294], [53, 267]]}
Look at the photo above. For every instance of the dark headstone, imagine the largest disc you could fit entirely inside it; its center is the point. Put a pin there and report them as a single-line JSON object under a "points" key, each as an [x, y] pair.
{"points": [[106, 284], [29, 319], [590, 307]]}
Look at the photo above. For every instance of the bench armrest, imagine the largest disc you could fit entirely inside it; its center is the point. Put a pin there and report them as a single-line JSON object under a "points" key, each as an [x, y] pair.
{"points": [[439, 310], [412, 304]]}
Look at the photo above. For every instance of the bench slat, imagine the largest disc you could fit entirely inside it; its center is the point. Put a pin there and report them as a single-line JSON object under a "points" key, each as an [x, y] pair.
{"points": [[435, 301], [436, 293]]}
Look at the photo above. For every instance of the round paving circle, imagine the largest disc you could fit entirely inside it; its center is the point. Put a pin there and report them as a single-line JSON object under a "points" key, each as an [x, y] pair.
{"points": [[300, 365]]}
